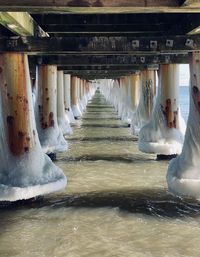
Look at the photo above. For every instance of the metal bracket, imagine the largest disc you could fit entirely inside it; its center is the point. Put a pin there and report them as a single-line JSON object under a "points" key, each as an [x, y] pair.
{"points": [[153, 44], [135, 43], [142, 59], [169, 42], [167, 59], [189, 42]]}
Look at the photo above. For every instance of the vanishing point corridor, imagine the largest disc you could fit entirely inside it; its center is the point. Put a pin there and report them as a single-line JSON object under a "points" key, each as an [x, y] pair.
{"points": [[116, 202]]}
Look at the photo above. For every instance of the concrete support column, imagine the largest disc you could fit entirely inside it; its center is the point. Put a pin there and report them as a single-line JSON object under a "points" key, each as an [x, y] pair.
{"points": [[82, 99], [121, 95], [25, 171], [145, 106], [125, 102], [63, 121], [84, 93], [50, 135], [79, 82], [183, 176], [164, 134], [67, 98], [74, 98], [134, 91]]}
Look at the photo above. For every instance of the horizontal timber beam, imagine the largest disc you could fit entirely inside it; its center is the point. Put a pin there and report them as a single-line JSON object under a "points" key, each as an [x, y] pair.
{"points": [[115, 60], [21, 23], [105, 68], [98, 6], [99, 45], [101, 73]]}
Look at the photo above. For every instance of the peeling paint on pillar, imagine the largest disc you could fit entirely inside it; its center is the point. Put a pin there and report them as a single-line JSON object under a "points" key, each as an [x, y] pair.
{"points": [[147, 88], [145, 106], [46, 103], [50, 134], [169, 104], [164, 133], [15, 98]]}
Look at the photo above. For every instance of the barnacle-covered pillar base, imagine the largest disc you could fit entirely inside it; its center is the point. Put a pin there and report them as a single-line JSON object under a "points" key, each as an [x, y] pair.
{"points": [[183, 176], [164, 133], [25, 170]]}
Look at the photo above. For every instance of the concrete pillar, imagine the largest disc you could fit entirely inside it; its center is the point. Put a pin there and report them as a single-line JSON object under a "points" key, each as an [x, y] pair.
{"points": [[164, 134], [125, 110], [63, 121], [145, 105], [67, 98], [74, 98], [134, 92], [25, 171], [79, 82], [50, 135], [183, 176], [82, 100], [83, 92]]}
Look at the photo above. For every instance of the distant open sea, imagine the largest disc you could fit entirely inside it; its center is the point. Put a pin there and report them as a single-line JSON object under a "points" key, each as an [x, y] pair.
{"points": [[184, 101]]}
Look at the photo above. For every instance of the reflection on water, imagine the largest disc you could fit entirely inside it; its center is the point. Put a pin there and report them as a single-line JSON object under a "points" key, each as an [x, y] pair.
{"points": [[116, 202]]}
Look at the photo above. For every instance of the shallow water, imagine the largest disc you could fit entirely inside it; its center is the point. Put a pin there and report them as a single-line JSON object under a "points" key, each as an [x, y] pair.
{"points": [[115, 204]]}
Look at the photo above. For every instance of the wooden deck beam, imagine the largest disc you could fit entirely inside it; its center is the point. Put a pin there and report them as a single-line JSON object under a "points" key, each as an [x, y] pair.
{"points": [[100, 6], [21, 23], [105, 68], [114, 60], [100, 45]]}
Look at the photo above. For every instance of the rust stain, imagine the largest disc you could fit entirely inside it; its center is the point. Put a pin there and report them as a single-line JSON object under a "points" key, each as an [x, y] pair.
{"points": [[51, 120], [17, 115], [148, 96], [196, 97], [17, 140], [169, 114]]}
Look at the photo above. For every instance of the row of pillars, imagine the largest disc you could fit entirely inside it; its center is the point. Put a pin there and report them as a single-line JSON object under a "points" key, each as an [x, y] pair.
{"points": [[155, 117], [34, 119]]}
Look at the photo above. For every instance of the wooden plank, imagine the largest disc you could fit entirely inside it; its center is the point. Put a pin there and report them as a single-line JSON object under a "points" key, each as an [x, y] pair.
{"points": [[99, 6], [100, 45], [21, 23], [77, 60]]}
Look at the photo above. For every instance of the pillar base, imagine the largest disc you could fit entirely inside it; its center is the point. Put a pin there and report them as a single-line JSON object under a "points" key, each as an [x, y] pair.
{"points": [[163, 157], [76, 111], [18, 203], [70, 115], [160, 148], [52, 141], [188, 185], [9, 193], [52, 156], [63, 124], [32, 175]]}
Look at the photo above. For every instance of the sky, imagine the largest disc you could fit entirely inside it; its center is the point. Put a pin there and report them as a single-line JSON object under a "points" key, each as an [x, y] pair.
{"points": [[184, 75]]}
